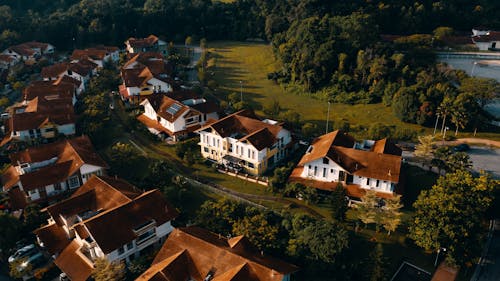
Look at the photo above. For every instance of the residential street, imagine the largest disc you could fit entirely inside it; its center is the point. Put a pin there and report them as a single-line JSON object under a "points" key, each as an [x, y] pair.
{"points": [[490, 270]]}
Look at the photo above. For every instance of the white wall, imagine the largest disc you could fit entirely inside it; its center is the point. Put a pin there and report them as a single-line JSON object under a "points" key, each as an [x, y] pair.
{"points": [[383, 186], [331, 170]]}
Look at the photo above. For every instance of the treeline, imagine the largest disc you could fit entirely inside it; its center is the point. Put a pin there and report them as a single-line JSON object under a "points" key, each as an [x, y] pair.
{"points": [[69, 23]]}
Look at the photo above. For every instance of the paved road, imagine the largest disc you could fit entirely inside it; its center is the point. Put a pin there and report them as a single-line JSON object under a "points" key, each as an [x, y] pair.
{"points": [[487, 159], [490, 270]]}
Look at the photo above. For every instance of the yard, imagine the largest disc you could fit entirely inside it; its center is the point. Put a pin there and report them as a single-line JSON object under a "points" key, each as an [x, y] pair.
{"points": [[243, 66]]}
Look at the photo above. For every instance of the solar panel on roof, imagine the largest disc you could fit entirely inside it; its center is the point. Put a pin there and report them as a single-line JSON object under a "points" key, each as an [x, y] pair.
{"points": [[173, 108]]}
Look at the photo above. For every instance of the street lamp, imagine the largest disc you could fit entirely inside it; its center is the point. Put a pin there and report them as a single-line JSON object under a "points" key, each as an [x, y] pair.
{"points": [[327, 118], [437, 255], [444, 133], [241, 91]]}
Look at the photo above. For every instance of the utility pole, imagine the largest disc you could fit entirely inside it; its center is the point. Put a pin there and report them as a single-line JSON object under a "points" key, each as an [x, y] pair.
{"points": [[241, 91], [327, 118]]}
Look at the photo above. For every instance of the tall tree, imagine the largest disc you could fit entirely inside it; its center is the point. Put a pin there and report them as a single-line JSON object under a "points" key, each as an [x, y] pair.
{"points": [[451, 215], [391, 214], [338, 202], [377, 264], [368, 209], [425, 148]]}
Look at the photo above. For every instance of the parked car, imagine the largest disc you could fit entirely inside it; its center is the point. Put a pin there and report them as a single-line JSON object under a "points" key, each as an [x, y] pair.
{"points": [[461, 147], [23, 252], [35, 260]]}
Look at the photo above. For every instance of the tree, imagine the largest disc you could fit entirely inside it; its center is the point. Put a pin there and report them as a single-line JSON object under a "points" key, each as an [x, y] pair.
{"points": [[108, 271], [273, 109], [391, 217], [379, 131], [12, 231], [219, 216], [308, 130], [425, 148], [451, 214], [17, 270], [323, 239], [368, 209], [258, 231], [443, 31], [405, 105], [188, 41], [458, 161], [339, 202], [203, 43], [33, 217]]}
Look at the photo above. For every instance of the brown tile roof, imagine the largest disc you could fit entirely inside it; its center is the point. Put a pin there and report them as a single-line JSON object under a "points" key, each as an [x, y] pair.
{"points": [[38, 45], [245, 125], [67, 79], [83, 67], [162, 104], [142, 42], [6, 58], [445, 273], [115, 227], [96, 53], [17, 199], [22, 50], [385, 146], [491, 36], [98, 193], [54, 238], [48, 88], [54, 70], [194, 252], [73, 263], [39, 111], [207, 107], [144, 66], [338, 147], [69, 156]]}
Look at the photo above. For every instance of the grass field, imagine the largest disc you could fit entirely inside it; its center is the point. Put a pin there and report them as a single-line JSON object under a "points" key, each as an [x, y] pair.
{"points": [[251, 62]]}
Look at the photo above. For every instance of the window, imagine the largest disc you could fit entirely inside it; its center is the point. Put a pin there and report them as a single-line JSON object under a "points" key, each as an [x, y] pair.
{"points": [[130, 246], [33, 192], [310, 167], [367, 181], [324, 172], [377, 184], [250, 165], [205, 149], [121, 251], [253, 154], [315, 170], [57, 186], [331, 171], [218, 143], [248, 153], [230, 147], [325, 161], [74, 182], [145, 236]]}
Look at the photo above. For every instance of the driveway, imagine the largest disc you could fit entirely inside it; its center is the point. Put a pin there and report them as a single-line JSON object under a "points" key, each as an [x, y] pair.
{"points": [[487, 159]]}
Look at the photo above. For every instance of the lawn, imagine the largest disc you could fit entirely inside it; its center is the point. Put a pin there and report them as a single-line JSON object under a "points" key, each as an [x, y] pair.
{"points": [[250, 63]]}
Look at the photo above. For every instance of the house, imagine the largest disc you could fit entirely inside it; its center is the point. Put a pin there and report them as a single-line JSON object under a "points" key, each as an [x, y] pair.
{"points": [[486, 40], [29, 51], [245, 143], [43, 174], [337, 158], [193, 253], [81, 70], [6, 61], [176, 118], [40, 119], [59, 89], [98, 55], [148, 44], [104, 218], [143, 75]]}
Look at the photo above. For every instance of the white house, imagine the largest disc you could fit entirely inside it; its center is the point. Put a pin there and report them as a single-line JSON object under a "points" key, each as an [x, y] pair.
{"points": [[486, 40], [193, 253], [243, 142], [337, 158], [98, 55], [40, 118], [81, 70], [29, 51], [143, 75], [175, 118], [104, 218], [43, 174], [148, 44], [6, 61]]}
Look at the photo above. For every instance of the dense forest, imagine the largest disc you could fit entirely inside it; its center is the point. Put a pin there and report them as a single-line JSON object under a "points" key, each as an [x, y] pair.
{"points": [[330, 48]]}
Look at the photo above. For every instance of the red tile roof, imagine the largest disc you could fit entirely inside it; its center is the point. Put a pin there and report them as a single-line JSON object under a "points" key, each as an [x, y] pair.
{"points": [[76, 266], [162, 103], [192, 252], [69, 156], [142, 67], [245, 125], [48, 88], [54, 238], [338, 147], [142, 42], [95, 53], [54, 70]]}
